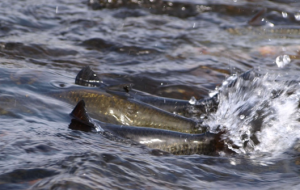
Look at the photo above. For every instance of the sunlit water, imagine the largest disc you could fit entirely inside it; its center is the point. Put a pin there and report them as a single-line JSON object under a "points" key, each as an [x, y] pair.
{"points": [[177, 49]]}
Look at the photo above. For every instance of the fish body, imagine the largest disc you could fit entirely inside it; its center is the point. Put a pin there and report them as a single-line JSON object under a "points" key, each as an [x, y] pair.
{"points": [[263, 32], [118, 110], [169, 141], [107, 107], [180, 107], [125, 116], [87, 77]]}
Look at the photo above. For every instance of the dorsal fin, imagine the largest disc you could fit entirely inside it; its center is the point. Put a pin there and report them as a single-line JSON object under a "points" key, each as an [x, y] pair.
{"points": [[87, 77], [258, 19], [79, 112], [81, 119]]}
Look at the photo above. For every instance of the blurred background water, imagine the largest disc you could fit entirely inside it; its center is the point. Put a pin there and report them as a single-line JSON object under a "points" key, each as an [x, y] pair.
{"points": [[177, 49]]}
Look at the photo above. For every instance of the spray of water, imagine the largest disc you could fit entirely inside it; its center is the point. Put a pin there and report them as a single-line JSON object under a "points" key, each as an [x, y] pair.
{"points": [[260, 114]]}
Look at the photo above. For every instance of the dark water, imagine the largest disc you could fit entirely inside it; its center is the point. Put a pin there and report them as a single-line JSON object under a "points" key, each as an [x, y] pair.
{"points": [[176, 49]]}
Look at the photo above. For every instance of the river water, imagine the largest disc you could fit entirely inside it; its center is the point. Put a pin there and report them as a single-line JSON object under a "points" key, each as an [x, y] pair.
{"points": [[177, 49]]}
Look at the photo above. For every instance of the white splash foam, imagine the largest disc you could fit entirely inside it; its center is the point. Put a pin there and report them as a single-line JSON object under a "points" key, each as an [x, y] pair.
{"points": [[282, 60], [260, 115]]}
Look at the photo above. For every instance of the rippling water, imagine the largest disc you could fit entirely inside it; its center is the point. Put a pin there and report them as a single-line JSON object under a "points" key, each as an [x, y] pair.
{"points": [[176, 49]]}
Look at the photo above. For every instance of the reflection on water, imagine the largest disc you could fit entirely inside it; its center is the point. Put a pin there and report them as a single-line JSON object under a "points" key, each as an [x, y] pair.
{"points": [[177, 49]]}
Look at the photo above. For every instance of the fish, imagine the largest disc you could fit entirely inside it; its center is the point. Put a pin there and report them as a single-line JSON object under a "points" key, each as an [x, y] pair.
{"points": [[118, 110], [261, 28], [274, 32], [168, 141], [87, 77], [120, 104], [107, 107]]}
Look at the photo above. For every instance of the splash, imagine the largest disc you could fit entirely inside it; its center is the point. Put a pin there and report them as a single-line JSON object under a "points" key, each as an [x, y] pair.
{"points": [[260, 114]]}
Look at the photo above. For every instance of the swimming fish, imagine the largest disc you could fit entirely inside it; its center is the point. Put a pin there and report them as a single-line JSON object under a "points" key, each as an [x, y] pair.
{"points": [[106, 103], [87, 77], [118, 110], [261, 28], [108, 107], [169, 141]]}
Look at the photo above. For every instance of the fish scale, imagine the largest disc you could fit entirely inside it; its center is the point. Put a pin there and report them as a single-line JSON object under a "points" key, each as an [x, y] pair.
{"points": [[127, 112], [176, 143]]}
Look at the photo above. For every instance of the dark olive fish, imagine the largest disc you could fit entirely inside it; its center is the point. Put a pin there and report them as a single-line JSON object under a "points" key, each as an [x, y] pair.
{"points": [[168, 141], [180, 107], [263, 31], [87, 77], [260, 27], [118, 110], [102, 105]]}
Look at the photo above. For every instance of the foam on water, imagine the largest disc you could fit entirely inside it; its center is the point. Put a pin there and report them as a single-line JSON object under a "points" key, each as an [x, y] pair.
{"points": [[260, 114]]}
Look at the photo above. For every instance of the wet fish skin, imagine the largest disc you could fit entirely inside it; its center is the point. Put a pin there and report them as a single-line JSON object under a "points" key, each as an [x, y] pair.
{"points": [[101, 105], [180, 107], [263, 32], [87, 77], [124, 111], [169, 141]]}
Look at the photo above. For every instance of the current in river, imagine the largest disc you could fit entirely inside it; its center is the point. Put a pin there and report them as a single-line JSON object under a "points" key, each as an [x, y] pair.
{"points": [[183, 49]]}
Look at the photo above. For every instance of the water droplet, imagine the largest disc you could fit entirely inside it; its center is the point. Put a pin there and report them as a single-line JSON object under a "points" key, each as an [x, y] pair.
{"points": [[283, 60], [232, 162], [269, 24], [242, 116], [193, 100], [284, 14], [97, 126], [297, 16]]}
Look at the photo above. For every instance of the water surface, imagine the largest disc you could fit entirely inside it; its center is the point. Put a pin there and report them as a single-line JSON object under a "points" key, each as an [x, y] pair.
{"points": [[176, 49]]}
